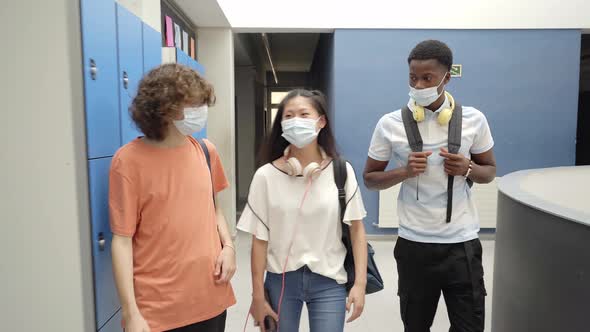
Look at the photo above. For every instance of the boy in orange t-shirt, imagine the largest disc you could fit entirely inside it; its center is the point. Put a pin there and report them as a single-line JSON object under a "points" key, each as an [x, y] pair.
{"points": [[173, 255]]}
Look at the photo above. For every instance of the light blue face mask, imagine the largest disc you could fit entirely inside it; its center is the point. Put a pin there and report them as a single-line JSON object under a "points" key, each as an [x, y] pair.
{"points": [[425, 97], [195, 119], [299, 131]]}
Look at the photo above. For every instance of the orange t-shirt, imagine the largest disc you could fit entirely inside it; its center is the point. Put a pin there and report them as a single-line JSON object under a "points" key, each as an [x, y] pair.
{"points": [[162, 197]]}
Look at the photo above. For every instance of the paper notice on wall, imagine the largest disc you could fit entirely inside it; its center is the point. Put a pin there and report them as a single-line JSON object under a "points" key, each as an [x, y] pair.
{"points": [[185, 42], [177, 36], [169, 32]]}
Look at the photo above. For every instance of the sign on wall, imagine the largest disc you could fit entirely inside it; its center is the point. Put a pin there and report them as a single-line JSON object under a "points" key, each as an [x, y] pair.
{"points": [[456, 70]]}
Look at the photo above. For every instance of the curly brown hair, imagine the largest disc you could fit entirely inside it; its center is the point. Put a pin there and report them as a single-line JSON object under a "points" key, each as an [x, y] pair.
{"points": [[163, 93]]}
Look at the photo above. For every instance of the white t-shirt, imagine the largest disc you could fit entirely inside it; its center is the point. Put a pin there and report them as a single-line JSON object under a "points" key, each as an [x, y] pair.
{"points": [[273, 211], [423, 218]]}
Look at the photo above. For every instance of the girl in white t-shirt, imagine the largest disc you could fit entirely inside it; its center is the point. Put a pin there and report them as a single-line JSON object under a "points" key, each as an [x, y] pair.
{"points": [[293, 213]]}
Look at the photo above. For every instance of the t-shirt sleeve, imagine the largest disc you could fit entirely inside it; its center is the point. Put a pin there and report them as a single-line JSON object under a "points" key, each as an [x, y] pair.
{"points": [[123, 201], [254, 218], [483, 140], [218, 177], [355, 209], [381, 147]]}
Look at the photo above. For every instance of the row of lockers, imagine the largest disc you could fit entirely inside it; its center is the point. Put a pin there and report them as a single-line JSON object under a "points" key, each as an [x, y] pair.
{"points": [[118, 50]]}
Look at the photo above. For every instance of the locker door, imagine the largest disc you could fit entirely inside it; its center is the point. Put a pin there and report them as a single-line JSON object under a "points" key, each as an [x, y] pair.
{"points": [[152, 48], [201, 134], [130, 51], [106, 299], [191, 63], [100, 77], [181, 57], [199, 68], [114, 325]]}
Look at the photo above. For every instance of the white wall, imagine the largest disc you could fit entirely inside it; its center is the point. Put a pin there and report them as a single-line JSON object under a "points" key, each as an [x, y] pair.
{"points": [[425, 14], [216, 53], [246, 127], [45, 259]]}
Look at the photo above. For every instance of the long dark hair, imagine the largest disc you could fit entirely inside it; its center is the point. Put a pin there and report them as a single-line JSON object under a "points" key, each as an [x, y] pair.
{"points": [[275, 144]]}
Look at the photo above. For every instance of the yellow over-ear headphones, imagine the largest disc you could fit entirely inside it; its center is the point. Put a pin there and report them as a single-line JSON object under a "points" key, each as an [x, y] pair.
{"points": [[444, 116]]}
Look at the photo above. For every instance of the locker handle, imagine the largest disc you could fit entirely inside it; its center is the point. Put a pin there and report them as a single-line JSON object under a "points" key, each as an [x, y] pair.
{"points": [[101, 242], [93, 69], [125, 80]]}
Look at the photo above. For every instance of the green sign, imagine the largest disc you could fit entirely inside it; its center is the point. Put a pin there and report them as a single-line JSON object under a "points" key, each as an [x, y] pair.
{"points": [[456, 70]]}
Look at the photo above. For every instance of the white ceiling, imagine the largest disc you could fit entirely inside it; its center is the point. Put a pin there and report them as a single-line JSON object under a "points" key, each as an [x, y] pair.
{"points": [[203, 13], [315, 15]]}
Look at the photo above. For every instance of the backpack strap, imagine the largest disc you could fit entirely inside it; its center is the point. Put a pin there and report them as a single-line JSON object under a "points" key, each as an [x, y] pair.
{"points": [[208, 158], [412, 132], [455, 128], [340, 176], [454, 144]]}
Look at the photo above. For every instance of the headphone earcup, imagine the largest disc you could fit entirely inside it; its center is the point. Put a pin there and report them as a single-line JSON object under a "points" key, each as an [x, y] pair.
{"points": [[444, 116], [312, 170], [418, 113], [293, 167]]}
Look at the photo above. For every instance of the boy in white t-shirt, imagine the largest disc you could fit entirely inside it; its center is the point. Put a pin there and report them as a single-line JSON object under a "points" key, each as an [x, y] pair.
{"points": [[438, 249]]}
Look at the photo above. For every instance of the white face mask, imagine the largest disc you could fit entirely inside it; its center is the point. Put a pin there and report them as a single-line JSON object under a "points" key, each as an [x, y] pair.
{"points": [[425, 97], [300, 132], [195, 119]]}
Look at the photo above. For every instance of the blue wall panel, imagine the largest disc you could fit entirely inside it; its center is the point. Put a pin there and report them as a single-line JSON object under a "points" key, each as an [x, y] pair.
{"points": [[130, 48], [152, 48], [524, 81], [105, 292], [101, 95]]}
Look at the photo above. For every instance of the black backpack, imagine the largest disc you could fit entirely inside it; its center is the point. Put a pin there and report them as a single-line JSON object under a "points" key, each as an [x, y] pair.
{"points": [[454, 143], [374, 280]]}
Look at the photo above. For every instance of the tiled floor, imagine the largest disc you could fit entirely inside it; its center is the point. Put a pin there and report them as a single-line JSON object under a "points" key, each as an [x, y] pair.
{"points": [[381, 310]]}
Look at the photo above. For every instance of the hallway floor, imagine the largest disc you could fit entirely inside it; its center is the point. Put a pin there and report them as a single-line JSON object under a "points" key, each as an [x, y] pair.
{"points": [[381, 309]]}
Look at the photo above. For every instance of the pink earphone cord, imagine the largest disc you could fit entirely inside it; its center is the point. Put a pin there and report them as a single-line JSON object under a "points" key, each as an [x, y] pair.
{"points": [[308, 187]]}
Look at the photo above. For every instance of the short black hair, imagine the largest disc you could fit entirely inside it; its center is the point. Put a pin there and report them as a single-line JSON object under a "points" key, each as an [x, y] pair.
{"points": [[432, 50]]}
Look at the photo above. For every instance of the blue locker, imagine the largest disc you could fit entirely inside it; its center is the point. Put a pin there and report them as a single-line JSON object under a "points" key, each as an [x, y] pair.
{"points": [[181, 57], [100, 77], [201, 134], [114, 325], [152, 48], [191, 63], [106, 299], [199, 68], [130, 51]]}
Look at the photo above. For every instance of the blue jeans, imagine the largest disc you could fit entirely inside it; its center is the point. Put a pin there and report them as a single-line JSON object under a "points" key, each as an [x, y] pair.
{"points": [[324, 297]]}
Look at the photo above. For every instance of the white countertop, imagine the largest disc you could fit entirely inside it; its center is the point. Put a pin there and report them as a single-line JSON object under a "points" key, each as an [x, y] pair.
{"points": [[561, 191]]}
